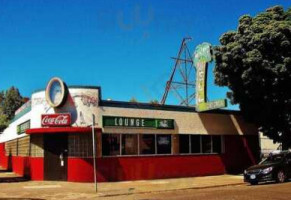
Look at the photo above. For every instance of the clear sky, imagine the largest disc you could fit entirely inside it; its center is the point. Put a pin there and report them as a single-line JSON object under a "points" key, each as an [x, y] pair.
{"points": [[122, 46]]}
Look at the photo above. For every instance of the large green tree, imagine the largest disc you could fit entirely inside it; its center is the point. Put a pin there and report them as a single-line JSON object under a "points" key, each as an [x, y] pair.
{"points": [[10, 101], [3, 122], [3, 117], [13, 100], [254, 61]]}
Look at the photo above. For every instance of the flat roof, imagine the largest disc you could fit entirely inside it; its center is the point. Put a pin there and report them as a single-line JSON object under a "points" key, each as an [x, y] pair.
{"points": [[72, 87], [151, 106]]}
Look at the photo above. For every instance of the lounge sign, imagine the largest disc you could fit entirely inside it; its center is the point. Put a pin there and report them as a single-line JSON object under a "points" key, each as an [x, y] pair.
{"points": [[54, 120], [114, 121], [202, 56], [21, 128]]}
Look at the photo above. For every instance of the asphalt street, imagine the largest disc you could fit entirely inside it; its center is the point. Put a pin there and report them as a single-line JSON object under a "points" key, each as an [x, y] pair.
{"points": [[18, 191], [241, 192]]}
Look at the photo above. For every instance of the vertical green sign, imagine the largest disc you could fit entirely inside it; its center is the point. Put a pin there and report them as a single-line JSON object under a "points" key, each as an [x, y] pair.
{"points": [[202, 56]]}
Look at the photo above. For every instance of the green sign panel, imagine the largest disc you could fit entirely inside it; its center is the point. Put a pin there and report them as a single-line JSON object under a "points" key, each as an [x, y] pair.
{"points": [[211, 105], [202, 56], [21, 128], [110, 121]]}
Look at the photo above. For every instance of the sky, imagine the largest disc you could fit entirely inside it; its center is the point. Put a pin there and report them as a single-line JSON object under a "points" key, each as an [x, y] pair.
{"points": [[123, 46]]}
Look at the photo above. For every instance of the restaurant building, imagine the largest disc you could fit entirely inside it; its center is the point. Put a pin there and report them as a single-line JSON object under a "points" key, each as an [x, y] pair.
{"points": [[50, 138]]}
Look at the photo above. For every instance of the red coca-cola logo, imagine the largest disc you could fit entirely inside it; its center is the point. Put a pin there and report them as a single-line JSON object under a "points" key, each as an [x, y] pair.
{"points": [[56, 120]]}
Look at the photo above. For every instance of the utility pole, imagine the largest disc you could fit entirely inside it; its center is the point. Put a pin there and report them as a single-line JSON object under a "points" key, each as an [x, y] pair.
{"points": [[94, 151]]}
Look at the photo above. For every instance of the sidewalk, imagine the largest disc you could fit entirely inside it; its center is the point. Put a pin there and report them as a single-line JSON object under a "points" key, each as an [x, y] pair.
{"points": [[148, 186], [8, 177], [67, 190]]}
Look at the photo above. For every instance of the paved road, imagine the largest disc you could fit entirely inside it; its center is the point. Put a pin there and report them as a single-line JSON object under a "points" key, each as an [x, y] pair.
{"points": [[241, 192], [18, 191], [205, 188], [13, 186]]}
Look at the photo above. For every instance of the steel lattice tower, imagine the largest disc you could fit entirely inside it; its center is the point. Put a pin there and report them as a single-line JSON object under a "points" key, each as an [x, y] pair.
{"points": [[182, 80]]}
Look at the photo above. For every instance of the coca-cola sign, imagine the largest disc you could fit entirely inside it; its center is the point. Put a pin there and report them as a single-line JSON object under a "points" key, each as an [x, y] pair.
{"points": [[63, 119]]}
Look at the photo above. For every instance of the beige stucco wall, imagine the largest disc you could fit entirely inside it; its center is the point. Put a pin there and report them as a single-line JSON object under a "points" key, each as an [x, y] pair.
{"points": [[267, 145], [185, 122]]}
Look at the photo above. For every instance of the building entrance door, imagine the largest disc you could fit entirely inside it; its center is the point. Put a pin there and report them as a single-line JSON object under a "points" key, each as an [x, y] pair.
{"points": [[55, 157]]}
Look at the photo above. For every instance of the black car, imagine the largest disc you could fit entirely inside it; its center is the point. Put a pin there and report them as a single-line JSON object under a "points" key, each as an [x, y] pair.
{"points": [[276, 167]]}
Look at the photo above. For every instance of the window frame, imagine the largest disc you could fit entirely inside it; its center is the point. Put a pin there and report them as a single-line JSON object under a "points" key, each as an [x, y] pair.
{"points": [[172, 145], [120, 145], [190, 144], [222, 145]]}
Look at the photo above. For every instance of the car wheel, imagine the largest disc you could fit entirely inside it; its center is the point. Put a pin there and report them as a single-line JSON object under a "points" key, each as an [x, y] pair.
{"points": [[281, 177]]}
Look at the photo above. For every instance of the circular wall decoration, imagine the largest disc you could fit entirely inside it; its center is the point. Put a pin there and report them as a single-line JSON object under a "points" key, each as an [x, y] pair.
{"points": [[56, 92]]}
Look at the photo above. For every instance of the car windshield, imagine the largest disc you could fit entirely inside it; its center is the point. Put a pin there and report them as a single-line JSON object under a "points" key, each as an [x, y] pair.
{"points": [[273, 159]]}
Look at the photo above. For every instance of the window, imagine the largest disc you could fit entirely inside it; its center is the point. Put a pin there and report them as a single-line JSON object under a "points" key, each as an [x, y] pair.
{"points": [[110, 144], [23, 146], [164, 144], [80, 145], [157, 144], [147, 144], [36, 146], [195, 144], [206, 144], [129, 144], [216, 144], [184, 144], [200, 144]]}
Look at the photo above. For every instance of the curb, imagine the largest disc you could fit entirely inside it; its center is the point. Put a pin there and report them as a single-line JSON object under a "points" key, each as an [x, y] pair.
{"points": [[159, 191]]}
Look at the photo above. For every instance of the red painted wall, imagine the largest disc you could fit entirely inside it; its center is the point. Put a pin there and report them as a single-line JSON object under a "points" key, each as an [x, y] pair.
{"points": [[30, 167], [36, 168], [80, 170], [25, 166], [240, 152], [3, 158], [149, 167], [18, 165], [158, 167]]}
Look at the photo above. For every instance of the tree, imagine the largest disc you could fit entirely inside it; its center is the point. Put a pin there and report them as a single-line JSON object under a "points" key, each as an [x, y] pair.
{"points": [[133, 100], [3, 117], [10, 101], [3, 122], [154, 102], [13, 100], [2, 96], [255, 63]]}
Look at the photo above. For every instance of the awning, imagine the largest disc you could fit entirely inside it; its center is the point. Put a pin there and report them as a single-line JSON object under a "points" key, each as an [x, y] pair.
{"points": [[52, 130]]}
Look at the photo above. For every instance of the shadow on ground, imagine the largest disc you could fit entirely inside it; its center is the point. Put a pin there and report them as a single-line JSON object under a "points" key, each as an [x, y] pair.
{"points": [[269, 183], [19, 199], [12, 180]]}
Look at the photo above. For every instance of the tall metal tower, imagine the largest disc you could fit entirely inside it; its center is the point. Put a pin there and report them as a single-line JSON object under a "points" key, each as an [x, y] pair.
{"points": [[182, 79]]}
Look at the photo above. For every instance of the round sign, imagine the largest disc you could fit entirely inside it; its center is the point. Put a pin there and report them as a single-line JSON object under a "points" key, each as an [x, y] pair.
{"points": [[203, 53], [56, 92]]}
